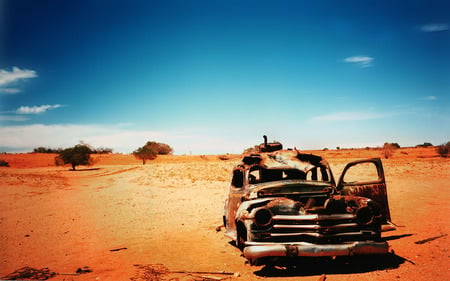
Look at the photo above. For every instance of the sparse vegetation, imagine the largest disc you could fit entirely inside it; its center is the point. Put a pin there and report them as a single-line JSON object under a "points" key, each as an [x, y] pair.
{"points": [[103, 150], [388, 150], [395, 145], [42, 149], [100, 150], [80, 154], [443, 150], [3, 163], [151, 150]]}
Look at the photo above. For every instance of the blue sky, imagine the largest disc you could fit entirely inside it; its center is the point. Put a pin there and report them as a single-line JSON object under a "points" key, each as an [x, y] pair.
{"points": [[214, 76]]}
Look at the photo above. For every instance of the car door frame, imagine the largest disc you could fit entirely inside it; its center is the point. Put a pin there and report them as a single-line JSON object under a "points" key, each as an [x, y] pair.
{"points": [[235, 197], [375, 190]]}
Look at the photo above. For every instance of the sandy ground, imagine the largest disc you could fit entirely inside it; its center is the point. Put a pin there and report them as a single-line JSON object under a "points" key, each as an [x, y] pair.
{"points": [[163, 217]]}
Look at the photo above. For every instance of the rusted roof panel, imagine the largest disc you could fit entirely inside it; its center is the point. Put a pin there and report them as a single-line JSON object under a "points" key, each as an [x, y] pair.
{"points": [[285, 159]]}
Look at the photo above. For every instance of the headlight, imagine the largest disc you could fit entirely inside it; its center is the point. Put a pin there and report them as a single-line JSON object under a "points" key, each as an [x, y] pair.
{"points": [[263, 217], [364, 216]]}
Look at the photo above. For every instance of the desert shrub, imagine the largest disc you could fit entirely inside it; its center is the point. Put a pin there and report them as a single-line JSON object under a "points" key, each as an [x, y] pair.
{"points": [[3, 163], [80, 154], [395, 145], [388, 150], [425, 144], [443, 150], [42, 149]]}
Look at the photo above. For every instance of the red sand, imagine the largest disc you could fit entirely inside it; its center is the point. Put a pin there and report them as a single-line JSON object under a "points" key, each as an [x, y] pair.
{"points": [[167, 211]]}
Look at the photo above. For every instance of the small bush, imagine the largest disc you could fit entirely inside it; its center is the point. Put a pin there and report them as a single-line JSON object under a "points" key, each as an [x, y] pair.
{"points": [[443, 150], [42, 149], [3, 163], [388, 150], [425, 144]]}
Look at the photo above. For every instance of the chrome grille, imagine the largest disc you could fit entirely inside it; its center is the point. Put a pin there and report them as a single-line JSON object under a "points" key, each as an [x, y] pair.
{"points": [[316, 228]]}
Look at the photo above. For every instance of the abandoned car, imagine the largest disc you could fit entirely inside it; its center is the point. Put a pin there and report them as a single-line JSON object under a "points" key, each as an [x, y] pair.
{"points": [[286, 204]]}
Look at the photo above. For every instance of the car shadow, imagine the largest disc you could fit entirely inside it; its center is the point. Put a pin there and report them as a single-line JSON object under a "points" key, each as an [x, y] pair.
{"points": [[339, 265]]}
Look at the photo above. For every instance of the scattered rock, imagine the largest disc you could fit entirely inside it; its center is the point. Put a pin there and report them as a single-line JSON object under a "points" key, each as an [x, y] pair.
{"points": [[83, 270]]}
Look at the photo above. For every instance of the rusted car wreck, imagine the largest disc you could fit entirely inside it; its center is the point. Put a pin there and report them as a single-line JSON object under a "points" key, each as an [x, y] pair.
{"points": [[286, 204]]}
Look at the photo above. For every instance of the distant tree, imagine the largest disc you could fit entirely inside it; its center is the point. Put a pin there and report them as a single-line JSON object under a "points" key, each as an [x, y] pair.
{"points": [[163, 149], [103, 150], [145, 153], [151, 150], [42, 149], [443, 150], [80, 154], [425, 144]]}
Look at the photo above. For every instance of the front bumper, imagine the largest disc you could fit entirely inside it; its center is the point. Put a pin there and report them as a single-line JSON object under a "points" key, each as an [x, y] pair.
{"points": [[256, 250]]}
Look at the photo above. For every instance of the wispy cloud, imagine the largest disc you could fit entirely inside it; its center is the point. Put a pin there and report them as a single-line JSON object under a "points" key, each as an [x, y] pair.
{"points": [[434, 27], [14, 75], [362, 61], [9, 91], [36, 109], [350, 116], [429, 98]]}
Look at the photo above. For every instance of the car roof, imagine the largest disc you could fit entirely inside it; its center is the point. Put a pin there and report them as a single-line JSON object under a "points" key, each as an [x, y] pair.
{"points": [[283, 160]]}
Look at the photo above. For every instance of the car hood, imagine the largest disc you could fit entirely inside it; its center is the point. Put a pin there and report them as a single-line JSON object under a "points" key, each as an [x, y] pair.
{"points": [[289, 187]]}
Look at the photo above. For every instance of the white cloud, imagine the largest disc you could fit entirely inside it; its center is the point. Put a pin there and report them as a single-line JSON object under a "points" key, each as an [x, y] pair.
{"points": [[16, 74], [429, 98], [434, 27], [350, 116], [36, 109], [9, 91], [362, 61]]}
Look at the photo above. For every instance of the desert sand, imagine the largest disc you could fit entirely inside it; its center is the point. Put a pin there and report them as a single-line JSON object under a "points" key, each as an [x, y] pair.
{"points": [[121, 220]]}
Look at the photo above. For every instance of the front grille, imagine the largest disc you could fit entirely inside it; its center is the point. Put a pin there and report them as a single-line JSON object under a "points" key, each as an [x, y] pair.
{"points": [[315, 228]]}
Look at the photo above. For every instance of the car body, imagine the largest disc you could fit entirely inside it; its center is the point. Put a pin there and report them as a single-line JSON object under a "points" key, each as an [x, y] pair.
{"points": [[286, 204]]}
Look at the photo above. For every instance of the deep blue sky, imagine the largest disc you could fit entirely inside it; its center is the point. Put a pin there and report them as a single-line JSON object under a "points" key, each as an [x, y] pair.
{"points": [[214, 76]]}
